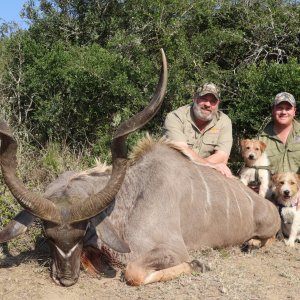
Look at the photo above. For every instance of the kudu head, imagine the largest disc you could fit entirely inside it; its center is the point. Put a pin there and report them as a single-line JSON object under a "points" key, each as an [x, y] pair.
{"points": [[66, 220]]}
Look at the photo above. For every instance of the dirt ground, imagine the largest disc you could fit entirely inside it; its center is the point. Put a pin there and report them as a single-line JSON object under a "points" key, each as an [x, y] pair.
{"points": [[269, 273]]}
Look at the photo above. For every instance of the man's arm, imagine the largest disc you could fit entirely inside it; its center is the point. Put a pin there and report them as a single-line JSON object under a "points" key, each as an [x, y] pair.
{"points": [[195, 157], [224, 144], [219, 157]]}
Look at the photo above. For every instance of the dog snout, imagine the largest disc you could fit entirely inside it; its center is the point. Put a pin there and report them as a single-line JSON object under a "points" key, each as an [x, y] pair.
{"points": [[251, 156], [286, 192]]}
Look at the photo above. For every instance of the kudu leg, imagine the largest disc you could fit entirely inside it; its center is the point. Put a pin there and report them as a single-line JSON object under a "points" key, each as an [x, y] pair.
{"points": [[173, 272], [266, 227], [163, 266]]}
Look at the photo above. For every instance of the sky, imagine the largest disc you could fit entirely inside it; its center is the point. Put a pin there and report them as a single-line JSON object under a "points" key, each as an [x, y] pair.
{"points": [[10, 11]]}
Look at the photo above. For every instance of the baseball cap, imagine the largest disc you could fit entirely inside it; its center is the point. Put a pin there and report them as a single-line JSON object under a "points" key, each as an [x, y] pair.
{"points": [[208, 88], [284, 97]]}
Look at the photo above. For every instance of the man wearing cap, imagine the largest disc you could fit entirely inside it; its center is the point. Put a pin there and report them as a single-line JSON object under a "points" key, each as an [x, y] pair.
{"points": [[282, 135], [202, 131]]}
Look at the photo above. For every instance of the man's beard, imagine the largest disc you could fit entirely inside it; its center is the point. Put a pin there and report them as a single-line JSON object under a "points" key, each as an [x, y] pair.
{"points": [[200, 115]]}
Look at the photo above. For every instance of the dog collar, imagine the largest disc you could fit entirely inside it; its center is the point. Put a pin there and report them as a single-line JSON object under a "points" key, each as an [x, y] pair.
{"points": [[280, 207], [256, 177]]}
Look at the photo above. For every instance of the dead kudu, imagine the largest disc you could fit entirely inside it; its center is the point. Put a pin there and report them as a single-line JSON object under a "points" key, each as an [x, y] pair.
{"points": [[162, 205]]}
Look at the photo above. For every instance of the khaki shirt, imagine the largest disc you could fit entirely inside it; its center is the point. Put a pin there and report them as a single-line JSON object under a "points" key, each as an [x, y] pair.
{"points": [[283, 157], [180, 127]]}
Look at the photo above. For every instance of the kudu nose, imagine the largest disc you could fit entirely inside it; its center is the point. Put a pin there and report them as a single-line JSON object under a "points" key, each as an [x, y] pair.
{"points": [[67, 282]]}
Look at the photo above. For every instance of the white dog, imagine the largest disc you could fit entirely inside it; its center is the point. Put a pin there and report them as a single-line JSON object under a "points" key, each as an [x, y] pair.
{"points": [[286, 189], [256, 169]]}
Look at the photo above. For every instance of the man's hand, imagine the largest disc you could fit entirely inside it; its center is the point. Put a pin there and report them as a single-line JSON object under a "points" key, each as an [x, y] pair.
{"points": [[212, 161], [222, 168]]}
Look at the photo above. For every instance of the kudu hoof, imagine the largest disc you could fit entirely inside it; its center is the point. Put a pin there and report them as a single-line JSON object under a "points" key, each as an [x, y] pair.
{"points": [[199, 266]]}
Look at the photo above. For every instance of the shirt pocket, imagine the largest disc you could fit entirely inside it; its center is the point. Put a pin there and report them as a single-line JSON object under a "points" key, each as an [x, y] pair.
{"points": [[209, 142], [190, 136], [210, 139], [294, 155], [275, 158]]}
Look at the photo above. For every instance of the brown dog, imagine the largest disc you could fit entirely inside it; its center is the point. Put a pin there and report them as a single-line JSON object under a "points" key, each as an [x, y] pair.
{"points": [[256, 169], [286, 191]]}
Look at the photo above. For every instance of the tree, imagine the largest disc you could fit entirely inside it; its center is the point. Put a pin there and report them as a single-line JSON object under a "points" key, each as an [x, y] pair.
{"points": [[92, 63]]}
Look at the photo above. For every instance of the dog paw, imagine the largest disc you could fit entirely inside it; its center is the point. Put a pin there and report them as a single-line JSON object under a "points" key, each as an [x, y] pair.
{"points": [[254, 243], [290, 243], [280, 236], [199, 266]]}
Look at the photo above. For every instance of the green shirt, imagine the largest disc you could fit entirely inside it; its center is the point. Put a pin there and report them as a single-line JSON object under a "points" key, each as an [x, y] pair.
{"points": [[217, 135], [283, 157]]}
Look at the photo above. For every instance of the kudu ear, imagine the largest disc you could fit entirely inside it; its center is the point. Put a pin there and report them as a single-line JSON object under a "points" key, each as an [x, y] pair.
{"points": [[16, 226], [106, 232], [108, 235]]}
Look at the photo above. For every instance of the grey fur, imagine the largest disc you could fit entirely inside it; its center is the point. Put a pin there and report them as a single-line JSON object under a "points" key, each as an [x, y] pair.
{"points": [[168, 200]]}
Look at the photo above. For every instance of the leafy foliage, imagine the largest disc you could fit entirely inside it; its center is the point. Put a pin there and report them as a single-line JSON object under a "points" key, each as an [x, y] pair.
{"points": [[258, 84], [84, 65]]}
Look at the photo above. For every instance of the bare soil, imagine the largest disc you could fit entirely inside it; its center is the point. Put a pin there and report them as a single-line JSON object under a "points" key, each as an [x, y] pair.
{"points": [[272, 272]]}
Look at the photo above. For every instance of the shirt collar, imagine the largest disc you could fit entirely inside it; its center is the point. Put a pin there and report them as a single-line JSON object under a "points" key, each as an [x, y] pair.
{"points": [[269, 130]]}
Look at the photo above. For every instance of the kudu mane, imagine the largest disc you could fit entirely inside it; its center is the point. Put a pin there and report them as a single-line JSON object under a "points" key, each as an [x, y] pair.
{"points": [[147, 144], [87, 182], [79, 185]]}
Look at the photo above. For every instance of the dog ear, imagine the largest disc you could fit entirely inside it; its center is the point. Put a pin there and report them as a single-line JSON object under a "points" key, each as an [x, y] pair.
{"points": [[263, 146], [242, 143], [274, 178]]}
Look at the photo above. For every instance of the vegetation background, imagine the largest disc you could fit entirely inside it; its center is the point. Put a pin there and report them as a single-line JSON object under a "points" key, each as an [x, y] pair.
{"points": [[83, 66]]}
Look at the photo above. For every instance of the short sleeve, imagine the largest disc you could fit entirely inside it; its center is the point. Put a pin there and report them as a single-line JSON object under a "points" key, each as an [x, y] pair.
{"points": [[173, 128], [225, 138]]}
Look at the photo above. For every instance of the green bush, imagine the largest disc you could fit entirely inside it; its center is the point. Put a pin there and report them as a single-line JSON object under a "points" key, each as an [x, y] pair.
{"points": [[258, 84]]}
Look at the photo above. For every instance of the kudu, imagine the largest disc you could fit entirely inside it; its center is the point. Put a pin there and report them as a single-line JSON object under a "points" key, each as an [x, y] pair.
{"points": [[164, 206]]}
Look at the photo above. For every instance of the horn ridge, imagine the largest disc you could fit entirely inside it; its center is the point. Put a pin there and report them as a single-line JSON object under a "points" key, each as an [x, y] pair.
{"points": [[141, 118], [35, 204]]}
